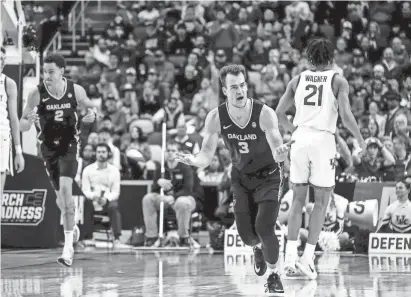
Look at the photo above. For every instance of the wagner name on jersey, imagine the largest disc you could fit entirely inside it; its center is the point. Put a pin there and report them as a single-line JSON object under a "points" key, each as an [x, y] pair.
{"points": [[398, 216], [58, 116], [248, 146], [315, 102], [4, 114]]}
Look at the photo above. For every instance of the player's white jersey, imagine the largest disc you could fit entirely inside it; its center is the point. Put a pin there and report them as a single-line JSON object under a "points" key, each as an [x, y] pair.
{"points": [[315, 103], [4, 114], [399, 216]]}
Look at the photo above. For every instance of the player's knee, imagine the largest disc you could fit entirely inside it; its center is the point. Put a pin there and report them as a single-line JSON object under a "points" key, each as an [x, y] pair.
{"points": [[248, 238], [264, 228], [149, 198], [182, 204]]}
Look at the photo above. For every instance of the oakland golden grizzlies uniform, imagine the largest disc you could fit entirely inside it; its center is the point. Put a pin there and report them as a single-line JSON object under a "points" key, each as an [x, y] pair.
{"points": [[59, 132]]}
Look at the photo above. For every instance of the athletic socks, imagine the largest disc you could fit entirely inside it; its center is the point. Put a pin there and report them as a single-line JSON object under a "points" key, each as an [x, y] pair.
{"points": [[272, 268], [309, 251], [68, 238]]}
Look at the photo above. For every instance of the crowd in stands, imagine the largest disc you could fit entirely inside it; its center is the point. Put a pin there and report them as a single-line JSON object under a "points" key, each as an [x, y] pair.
{"points": [[160, 61]]}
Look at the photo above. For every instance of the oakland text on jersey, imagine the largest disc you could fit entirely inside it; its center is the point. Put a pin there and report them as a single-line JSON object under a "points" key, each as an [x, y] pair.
{"points": [[242, 137], [316, 78], [58, 106]]}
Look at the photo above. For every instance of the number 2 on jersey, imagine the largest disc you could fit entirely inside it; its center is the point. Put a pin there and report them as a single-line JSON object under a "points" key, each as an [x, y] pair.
{"points": [[313, 91], [58, 115], [243, 147]]}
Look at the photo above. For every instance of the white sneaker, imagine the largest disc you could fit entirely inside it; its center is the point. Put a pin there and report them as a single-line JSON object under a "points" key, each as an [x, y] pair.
{"points": [[307, 267], [289, 265], [76, 234], [66, 257]]}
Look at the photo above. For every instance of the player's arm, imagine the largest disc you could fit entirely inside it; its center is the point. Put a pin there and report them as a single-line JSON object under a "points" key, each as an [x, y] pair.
{"points": [[286, 101], [347, 117], [86, 186], [269, 124], [30, 111], [386, 218], [113, 193], [83, 100], [209, 145], [11, 88]]}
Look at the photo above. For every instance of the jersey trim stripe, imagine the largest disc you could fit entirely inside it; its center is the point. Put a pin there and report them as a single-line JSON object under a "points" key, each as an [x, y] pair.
{"points": [[249, 117], [64, 92]]}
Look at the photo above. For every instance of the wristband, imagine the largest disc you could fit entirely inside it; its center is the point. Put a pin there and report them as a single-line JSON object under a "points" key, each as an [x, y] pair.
{"points": [[18, 149]]}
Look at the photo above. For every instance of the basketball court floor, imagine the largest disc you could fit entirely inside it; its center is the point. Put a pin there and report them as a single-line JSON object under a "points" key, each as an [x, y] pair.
{"points": [[135, 273]]}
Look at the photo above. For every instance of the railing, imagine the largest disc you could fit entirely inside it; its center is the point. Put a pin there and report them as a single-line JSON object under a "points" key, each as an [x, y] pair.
{"points": [[75, 16]]}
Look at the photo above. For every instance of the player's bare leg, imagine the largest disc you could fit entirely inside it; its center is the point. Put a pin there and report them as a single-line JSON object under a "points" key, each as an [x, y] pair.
{"points": [[306, 262], [67, 207], [294, 225]]}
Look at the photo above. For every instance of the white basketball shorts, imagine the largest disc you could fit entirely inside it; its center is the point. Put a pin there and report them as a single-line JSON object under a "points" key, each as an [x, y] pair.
{"points": [[5, 152], [312, 157]]}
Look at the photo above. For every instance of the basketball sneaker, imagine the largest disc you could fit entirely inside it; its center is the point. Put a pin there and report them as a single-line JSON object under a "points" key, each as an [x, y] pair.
{"points": [[260, 266], [76, 234], [274, 287], [289, 265], [307, 267], [66, 258]]}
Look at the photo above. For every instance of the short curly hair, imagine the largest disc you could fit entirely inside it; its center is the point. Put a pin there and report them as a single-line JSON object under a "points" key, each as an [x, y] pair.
{"points": [[320, 52]]}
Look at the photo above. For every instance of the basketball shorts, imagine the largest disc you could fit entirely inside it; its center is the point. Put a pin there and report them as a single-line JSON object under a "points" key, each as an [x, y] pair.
{"points": [[6, 162], [60, 160], [249, 190], [312, 158]]}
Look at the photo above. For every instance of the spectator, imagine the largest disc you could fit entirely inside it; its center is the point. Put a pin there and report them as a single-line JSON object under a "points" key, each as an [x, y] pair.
{"points": [[181, 43], [369, 167], [164, 69], [197, 123], [178, 193], [213, 173], [101, 52], [401, 56], [188, 144], [394, 109], [188, 83], [207, 96], [105, 136], [117, 117], [106, 88], [101, 184], [88, 156], [172, 113], [91, 70], [402, 157]]}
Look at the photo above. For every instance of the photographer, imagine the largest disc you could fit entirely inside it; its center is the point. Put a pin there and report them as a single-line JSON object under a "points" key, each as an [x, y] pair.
{"points": [[101, 184], [178, 186]]}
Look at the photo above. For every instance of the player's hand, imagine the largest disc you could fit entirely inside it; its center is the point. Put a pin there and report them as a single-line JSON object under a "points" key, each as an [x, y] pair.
{"points": [[32, 116], [165, 184], [19, 163], [90, 116], [185, 158], [281, 152]]}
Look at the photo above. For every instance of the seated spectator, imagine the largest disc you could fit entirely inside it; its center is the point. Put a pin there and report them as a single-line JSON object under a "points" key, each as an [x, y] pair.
{"points": [[88, 156], [93, 139], [172, 113], [207, 96], [397, 216], [369, 167], [117, 117], [164, 68], [187, 142], [178, 189], [90, 72], [196, 124], [402, 156], [106, 88], [101, 184], [105, 136], [213, 173], [101, 53]]}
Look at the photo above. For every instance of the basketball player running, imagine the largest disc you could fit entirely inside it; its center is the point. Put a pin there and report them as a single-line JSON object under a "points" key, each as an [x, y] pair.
{"points": [[317, 95], [250, 131], [54, 104], [8, 118]]}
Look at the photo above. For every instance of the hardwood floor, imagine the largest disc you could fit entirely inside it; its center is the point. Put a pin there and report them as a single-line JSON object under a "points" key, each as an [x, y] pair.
{"points": [[134, 273]]}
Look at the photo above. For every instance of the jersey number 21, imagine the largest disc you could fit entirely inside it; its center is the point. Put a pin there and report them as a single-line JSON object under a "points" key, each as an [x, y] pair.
{"points": [[314, 90]]}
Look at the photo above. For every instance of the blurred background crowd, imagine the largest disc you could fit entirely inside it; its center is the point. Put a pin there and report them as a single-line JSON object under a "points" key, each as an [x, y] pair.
{"points": [[160, 61]]}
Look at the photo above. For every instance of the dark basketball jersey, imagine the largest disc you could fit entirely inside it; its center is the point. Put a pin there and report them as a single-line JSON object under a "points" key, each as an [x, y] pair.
{"points": [[249, 149], [58, 117]]}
